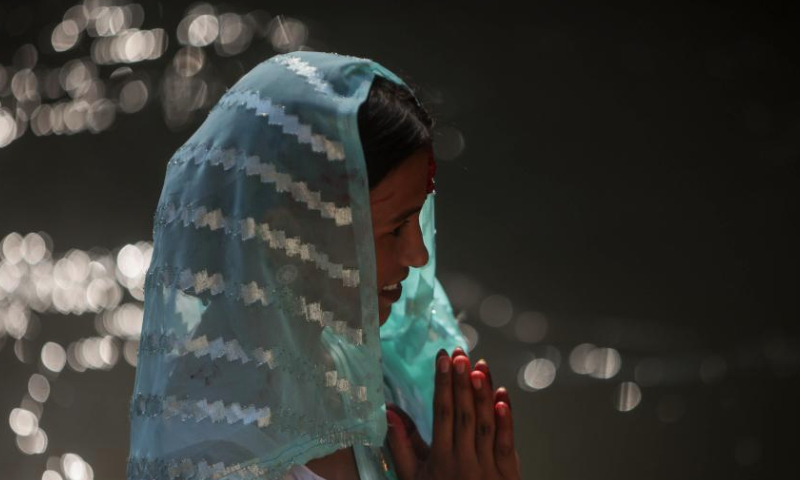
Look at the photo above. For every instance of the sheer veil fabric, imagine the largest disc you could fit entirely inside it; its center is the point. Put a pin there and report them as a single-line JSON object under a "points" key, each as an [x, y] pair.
{"points": [[260, 346]]}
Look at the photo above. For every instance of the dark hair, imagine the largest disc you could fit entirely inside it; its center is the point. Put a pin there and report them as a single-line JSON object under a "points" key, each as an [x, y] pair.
{"points": [[392, 126]]}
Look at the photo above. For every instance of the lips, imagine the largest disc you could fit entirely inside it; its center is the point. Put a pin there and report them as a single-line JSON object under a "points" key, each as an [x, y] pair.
{"points": [[392, 295]]}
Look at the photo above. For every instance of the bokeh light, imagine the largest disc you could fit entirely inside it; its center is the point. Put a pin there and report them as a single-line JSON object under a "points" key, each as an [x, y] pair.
{"points": [[496, 310], [628, 396], [537, 374], [53, 357]]}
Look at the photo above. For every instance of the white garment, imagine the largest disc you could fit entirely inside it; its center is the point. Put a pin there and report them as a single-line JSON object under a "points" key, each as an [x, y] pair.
{"points": [[301, 472]]}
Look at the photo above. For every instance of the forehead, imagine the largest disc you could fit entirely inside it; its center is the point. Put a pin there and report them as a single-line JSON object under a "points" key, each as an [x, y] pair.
{"points": [[404, 186]]}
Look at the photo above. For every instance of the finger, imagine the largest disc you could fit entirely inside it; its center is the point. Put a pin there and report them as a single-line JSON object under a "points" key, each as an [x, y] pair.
{"points": [[443, 407], [459, 352], [402, 451], [482, 366], [484, 414], [464, 421], [504, 451], [421, 449], [501, 395]]}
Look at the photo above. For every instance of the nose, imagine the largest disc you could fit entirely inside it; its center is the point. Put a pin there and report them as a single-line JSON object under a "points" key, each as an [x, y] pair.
{"points": [[415, 254]]}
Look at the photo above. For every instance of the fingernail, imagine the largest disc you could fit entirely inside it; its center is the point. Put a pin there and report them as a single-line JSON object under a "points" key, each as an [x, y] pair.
{"points": [[476, 382], [443, 364], [460, 366], [441, 352], [502, 409]]}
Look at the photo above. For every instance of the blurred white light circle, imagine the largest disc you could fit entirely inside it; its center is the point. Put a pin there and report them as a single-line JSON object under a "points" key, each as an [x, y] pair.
{"points": [[111, 21], [160, 43], [23, 422], [448, 142], [76, 77], [578, 357], [287, 34], [131, 352], [235, 34], [17, 320], [75, 114], [51, 475], [78, 14], [53, 357], [42, 120], [188, 61], [65, 35], [89, 352], [133, 96], [470, 334], [33, 444], [137, 45], [75, 360], [101, 115], [102, 293], [135, 14], [25, 86], [463, 291], [109, 351], [39, 387], [73, 466], [530, 327], [203, 30], [78, 262], [8, 127], [130, 261], [496, 310], [33, 248], [539, 373], [12, 247], [628, 396], [26, 56], [603, 363]]}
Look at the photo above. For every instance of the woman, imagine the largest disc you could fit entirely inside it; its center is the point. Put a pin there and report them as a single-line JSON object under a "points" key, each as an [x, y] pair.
{"points": [[292, 295]]}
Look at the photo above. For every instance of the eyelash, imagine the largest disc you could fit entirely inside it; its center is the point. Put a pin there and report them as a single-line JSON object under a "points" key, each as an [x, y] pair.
{"points": [[396, 231]]}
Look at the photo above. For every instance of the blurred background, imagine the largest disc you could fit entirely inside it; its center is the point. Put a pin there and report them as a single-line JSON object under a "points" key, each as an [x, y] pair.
{"points": [[616, 201]]}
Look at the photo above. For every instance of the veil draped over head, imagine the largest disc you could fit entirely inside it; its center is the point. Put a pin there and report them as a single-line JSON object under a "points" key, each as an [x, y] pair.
{"points": [[261, 346]]}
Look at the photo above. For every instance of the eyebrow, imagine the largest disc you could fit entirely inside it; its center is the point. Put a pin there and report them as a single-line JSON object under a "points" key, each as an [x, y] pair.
{"points": [[407, 213]]}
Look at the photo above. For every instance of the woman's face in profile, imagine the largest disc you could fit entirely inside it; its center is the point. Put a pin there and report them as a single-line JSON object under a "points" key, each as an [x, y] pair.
{"points": [[395, 203]]}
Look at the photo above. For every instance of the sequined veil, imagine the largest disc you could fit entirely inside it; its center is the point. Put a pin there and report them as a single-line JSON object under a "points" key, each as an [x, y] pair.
{"points": [[260, 347]]}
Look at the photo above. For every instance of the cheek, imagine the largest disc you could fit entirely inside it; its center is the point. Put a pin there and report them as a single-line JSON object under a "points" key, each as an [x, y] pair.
{"points": [[384, 253]]}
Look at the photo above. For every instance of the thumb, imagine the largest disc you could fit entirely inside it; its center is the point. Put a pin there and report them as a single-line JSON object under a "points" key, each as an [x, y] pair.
{"points": [[402, 450]]}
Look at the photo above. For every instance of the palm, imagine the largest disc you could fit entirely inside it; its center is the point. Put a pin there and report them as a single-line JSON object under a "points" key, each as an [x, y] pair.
{"points": [[472, 433]]}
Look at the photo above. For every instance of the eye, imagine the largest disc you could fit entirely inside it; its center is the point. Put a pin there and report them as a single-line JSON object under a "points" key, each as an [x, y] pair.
{"points": [[396, 231]]}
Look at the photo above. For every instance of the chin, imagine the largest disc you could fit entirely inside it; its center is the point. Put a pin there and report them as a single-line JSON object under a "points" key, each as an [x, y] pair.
{"points": [[383, 315]]}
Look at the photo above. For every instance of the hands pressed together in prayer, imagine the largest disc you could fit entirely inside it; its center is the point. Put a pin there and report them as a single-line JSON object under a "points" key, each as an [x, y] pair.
{"points": [[473, 435]]}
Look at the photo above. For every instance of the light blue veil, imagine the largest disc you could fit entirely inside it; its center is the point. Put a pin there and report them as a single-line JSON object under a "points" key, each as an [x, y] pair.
{"points": [[261, 347]]}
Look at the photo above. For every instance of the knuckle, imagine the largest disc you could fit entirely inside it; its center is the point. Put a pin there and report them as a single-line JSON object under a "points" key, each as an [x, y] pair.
{"points": [[443, 411], [485, 429], [466, 418], [505, 450]]}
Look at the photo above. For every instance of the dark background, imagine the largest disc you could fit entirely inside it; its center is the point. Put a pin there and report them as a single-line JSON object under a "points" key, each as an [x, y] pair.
{"points": [[628, 171]]}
